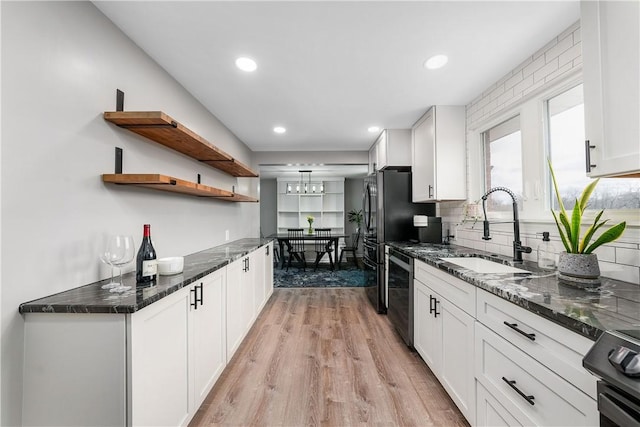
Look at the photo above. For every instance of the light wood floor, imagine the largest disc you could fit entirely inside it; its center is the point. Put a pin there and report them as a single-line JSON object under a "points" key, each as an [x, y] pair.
{"points": [[322, 356]]}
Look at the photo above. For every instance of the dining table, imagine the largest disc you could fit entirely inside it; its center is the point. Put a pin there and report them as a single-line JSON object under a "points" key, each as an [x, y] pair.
{"points": [[283, 238]]}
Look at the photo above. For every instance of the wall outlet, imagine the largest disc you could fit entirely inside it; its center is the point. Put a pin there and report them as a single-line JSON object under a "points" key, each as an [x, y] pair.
{"points": [[226, 235]]}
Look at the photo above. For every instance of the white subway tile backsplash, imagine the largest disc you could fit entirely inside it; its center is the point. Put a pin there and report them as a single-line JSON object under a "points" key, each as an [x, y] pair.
{"points": [[562, 46], [540, 52], [550, 67], [560, 71], [628, 256], [577, 36], [534, 66], [518, 69], [622, 272], [570, 54], [533, 88], [506, 96], [524, 84], [606, 253], [513, 80]]}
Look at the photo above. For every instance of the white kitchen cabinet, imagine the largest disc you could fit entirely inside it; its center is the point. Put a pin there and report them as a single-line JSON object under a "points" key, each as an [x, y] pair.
{"points": [[268, 272], [610, 54], [438, 156], [177, 350], [159, 361], [531, 393], [392, 149], [239, 304], [444, 337], [257, 265], [209, 335]]}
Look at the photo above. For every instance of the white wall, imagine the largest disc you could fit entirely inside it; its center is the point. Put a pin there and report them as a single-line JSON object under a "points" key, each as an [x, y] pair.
{"points": [[61, 65], [556, 62], [268, 206]]}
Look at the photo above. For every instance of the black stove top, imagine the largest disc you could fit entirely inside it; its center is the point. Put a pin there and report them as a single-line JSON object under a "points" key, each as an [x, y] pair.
{"points": [[615, 359]]}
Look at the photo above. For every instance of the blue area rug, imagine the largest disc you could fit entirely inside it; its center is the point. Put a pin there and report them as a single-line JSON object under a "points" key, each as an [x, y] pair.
{"points": [[347, 276]]}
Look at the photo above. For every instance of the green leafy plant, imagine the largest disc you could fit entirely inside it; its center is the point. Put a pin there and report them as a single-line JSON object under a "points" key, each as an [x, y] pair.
{"points": [[569, 225], [310, 220], [355, 216]]}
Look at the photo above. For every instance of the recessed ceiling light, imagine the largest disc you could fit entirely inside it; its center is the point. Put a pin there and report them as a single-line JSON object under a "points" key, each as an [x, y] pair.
{"points": [[373, 129], [436, 61], [246, 64], [279, 129]]}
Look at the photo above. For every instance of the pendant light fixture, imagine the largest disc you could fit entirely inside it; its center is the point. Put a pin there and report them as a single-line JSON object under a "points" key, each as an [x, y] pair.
{"points": [[304, 185]]}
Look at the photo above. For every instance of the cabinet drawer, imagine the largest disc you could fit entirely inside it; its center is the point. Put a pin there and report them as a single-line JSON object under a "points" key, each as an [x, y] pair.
{"points": [[553, 400], [456, 291], [556, 347], [490, 412]]}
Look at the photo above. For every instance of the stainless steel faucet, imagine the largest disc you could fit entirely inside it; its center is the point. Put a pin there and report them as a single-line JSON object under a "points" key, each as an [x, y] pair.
{"points": [[518, 249]]}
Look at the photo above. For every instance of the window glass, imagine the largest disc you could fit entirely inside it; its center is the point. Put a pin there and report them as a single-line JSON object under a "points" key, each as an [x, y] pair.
{"points": [[503, 163], [566, 151]]}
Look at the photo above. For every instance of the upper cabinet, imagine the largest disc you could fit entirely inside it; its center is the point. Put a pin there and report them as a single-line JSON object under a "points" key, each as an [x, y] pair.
{"points": [[391, 149], [438, 155], [610, 53]]}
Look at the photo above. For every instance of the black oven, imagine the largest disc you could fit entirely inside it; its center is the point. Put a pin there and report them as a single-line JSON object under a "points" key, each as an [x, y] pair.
{"points": [[400, 294], [615, 359]]}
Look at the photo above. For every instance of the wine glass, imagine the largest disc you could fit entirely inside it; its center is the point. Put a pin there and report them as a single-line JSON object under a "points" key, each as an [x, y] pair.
{"points": [[125, 248], [109, 256]]}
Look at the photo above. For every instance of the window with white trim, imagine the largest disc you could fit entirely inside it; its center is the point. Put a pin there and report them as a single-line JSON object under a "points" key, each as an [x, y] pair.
{"points": [[503, 162]]}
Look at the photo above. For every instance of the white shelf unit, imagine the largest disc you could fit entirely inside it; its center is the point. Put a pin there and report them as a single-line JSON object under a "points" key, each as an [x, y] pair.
{"points": [[327, 208]]}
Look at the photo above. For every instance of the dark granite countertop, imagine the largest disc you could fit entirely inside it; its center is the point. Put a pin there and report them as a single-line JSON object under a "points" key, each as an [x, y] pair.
{"points": [[614, 305], [93, 299]]}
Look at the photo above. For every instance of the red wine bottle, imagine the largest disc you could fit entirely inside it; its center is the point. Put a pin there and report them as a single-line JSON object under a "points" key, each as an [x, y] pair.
{"points": [[146, 264]]}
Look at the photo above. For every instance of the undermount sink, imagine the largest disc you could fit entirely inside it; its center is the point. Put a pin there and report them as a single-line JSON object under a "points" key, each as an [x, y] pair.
{"points": [[481, 265]]}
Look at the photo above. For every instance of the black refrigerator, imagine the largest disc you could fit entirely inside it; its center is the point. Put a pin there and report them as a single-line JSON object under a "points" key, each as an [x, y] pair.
{"points": [[388, 217]]}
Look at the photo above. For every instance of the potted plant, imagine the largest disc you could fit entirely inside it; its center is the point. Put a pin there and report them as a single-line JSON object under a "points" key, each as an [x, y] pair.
{"points": [[310, 221], [355, 216], [578, 264]]}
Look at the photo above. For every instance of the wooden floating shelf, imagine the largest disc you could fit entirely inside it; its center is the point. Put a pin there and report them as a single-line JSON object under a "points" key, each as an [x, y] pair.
{"points": [[161, 128], [174, 185]]}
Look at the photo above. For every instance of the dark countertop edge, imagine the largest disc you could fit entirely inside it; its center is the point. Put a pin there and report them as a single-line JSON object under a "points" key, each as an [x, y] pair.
{"points": [[34, 307], [567, 322]]}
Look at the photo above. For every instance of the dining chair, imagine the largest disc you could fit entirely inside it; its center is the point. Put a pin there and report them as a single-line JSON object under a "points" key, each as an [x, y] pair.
{"points": [[323, 245], [295, 247], [353, 247]]}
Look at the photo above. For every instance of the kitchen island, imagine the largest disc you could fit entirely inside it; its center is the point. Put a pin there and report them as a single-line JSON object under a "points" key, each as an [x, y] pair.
{"points": [[150, 355]]}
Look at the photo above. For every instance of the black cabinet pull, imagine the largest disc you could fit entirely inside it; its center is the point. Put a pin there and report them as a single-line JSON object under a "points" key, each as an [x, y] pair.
{"points": [[435, 307], [431, 309], [514, 326], [587, 154], [267, 250], [512, 384], [430, 191], [201, 293], [194, 299]]}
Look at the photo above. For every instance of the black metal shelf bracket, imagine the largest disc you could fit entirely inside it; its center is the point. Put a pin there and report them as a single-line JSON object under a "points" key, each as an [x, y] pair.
{"points": [[119, 100], [118, 165]]}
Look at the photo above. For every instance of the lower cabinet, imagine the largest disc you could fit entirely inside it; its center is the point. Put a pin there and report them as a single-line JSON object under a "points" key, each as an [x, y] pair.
{"points": [[153, 367], [443, 336], [499, 363]]}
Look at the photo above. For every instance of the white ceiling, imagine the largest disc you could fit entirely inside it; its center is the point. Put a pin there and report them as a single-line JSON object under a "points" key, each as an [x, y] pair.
{"points": [[329, 70]]}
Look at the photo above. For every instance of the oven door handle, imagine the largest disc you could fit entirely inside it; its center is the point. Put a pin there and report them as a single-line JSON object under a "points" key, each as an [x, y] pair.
{"points": [[616, 412]]}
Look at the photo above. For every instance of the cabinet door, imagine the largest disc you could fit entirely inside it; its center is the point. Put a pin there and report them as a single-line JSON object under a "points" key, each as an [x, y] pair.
{"points": [[258, 259], [610, 46], [208, 321], [159, 351], [235, 307], [248, 292], [268, 271], [381, 151], [423, 158], [489, 411], [457, 375], [427, 331]]}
